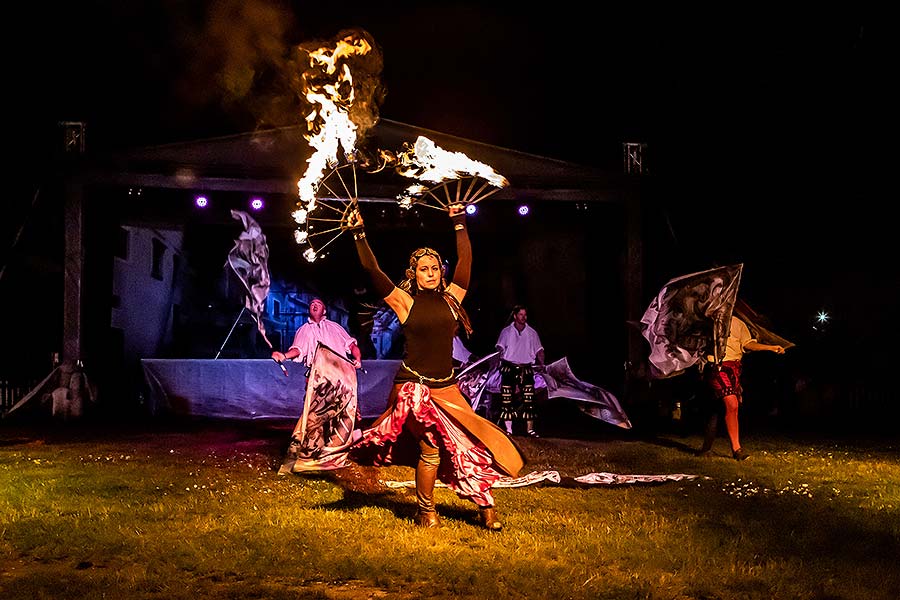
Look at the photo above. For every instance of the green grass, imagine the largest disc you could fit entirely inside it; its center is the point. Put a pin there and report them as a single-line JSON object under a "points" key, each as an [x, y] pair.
{"points": [[197, 510]]}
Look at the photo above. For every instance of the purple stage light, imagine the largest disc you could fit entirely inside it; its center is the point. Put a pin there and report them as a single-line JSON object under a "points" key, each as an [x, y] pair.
{"points": [[201, 201], [256, 204], [471, 209], [523, 210]]}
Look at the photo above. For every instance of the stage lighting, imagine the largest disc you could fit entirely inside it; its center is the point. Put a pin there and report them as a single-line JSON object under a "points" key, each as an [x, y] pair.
{"points": [[523, 210], [257, 203], [471, 209], [201, 201]]}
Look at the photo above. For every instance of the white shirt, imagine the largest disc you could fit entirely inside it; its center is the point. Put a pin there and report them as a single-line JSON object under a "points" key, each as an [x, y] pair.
{"points": [[738, 338], [460, 352], [520, 347], [328, 332]]}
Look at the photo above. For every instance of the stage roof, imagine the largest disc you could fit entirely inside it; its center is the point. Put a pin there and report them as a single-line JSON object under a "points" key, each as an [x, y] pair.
{"points": [[273, 160]]}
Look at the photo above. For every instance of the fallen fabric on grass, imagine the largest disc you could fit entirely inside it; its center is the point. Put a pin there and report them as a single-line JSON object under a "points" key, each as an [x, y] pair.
{"points": [[555, 478]]}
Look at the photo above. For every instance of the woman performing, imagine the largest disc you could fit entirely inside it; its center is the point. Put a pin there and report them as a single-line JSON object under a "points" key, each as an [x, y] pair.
{"points": [[427, 415]]}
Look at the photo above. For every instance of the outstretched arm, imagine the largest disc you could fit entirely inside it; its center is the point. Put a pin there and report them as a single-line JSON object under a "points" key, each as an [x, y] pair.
{"points": [[356, 354], [399, 301], [756, 346], [463, 271], [291, 354]]}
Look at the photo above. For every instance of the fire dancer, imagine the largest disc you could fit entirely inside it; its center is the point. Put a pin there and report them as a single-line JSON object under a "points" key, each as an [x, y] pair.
{"points": [[426, 413]]}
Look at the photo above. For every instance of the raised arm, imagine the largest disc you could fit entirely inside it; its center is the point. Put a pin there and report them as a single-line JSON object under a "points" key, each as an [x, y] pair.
{"points": [[463, 271], [399, 301]]}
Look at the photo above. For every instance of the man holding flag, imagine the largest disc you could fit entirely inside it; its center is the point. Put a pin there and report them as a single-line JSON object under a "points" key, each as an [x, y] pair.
{"points": [[724, 383], [318, 329], [692, 322]]}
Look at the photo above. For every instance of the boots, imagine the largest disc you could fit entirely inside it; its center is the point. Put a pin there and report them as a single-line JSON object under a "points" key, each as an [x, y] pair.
{"points": [[426, 474], [709, 437], [489, 519], [427, 519]]}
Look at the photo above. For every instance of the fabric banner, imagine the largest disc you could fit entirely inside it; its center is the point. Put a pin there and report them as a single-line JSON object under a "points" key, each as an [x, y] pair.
{"points": [[592, 400], [249, 260], [690, 318], [472, 380], [554, 478], [329, 416], [557, 378], [756, 324]]}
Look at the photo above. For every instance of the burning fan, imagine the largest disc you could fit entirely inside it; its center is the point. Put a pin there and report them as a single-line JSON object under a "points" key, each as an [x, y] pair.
{"points": [[459, 179], [322, 218], [333, 121]]}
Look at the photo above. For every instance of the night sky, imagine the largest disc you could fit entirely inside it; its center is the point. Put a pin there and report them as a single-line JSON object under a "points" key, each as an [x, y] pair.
{"points": [[766, 131]]}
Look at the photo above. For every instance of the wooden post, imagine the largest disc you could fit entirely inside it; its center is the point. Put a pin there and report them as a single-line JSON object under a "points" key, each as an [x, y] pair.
{"points": [[73, 272]]}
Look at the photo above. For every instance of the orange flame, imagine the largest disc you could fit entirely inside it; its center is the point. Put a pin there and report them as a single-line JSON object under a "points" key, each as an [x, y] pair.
{"points": [[329, 89], [426, 161]]}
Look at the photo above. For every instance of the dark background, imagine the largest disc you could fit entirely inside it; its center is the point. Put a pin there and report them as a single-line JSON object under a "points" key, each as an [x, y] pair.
{"points": [[768, 133]]}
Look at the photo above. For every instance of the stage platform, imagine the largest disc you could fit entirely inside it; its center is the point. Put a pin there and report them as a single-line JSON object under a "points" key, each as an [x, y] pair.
{"points": [[250, 388]]}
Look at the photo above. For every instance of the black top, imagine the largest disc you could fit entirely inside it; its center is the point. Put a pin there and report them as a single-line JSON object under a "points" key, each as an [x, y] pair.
{"points": [[429, 331]]}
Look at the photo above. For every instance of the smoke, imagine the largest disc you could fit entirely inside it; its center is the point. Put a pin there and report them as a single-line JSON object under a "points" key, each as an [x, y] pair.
{"points": [[247, 58], [239, 56]]}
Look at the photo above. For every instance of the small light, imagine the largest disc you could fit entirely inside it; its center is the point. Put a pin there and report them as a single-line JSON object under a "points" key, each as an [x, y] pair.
{"points": [[471, 209], [822, 317], [201, 201], [523, 210], [256, 203]]}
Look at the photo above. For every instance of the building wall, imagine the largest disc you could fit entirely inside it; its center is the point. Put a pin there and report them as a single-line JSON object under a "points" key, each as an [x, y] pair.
{"points": [[144, 293]]}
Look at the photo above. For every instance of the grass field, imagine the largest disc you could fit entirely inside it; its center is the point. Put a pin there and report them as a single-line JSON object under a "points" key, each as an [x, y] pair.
{"points": [[196, 509]]}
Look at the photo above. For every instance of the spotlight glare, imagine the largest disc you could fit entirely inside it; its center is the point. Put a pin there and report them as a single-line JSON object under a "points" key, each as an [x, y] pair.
{"points": [[256, 204], [201, 201], [471, 209], [822, 317], [523, 210]]}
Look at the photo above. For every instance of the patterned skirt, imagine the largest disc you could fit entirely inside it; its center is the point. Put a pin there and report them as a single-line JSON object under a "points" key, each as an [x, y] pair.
{"points": [[475, 453]]}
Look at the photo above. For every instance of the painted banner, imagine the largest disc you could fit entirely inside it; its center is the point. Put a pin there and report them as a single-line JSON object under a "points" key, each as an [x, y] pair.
{"points": [[557, 378], [553, 478], [329, 416], [690, 318], [249, 259]]}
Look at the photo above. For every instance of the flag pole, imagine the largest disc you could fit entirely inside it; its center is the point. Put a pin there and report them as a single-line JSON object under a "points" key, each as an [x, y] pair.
{"points": [[240, 314]]}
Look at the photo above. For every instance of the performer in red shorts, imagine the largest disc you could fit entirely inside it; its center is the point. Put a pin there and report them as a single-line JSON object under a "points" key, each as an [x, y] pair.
{"points": [[724, 383]]}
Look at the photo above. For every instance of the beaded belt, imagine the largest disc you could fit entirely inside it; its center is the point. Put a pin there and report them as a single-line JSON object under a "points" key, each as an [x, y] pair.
{"points": [[423, 378]]}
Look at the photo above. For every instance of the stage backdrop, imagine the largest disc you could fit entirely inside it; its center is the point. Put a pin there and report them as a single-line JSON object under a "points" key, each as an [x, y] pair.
{"points": [[250, 388]]}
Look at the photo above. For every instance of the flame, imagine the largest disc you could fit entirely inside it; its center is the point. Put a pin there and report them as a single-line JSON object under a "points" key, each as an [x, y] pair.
{"points": [[426, 161], [329, 89], [300, 215]]}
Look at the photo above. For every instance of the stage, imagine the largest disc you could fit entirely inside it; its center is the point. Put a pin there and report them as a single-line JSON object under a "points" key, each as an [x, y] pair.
{"points": [[250, 388]]}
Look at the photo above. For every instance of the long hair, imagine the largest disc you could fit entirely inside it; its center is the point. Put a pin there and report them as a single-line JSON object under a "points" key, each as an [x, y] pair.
{"points": [[410, 286]]}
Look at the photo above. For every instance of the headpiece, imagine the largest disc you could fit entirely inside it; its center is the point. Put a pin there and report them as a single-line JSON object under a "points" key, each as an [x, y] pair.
{"points": [[410, 284]]}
